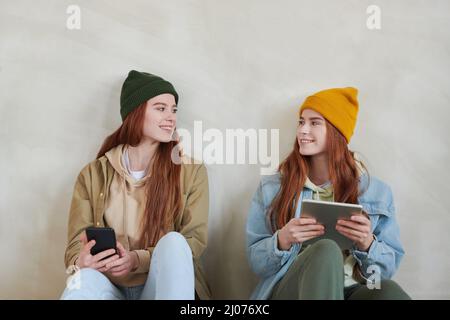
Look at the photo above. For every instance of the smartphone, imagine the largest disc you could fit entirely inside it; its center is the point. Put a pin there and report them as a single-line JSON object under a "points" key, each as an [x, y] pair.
{"points": [[105, 239]]}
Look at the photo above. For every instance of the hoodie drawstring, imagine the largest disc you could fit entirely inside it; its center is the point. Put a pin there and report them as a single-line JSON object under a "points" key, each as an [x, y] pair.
{"points": [[125, 227]]}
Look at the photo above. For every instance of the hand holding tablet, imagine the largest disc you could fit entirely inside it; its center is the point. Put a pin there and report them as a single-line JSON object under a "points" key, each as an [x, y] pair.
{"points": [[327, 214]]}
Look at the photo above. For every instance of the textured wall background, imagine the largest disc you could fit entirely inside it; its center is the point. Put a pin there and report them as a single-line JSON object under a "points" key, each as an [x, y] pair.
{"points": [[237, 64]]}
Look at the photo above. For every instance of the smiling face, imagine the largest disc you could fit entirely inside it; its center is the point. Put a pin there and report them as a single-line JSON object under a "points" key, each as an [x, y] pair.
{"points": [[160, 118], [311, 133]]}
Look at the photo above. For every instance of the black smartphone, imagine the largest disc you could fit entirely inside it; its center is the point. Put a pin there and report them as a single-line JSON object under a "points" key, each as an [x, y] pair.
{"points": [[105, 239]]}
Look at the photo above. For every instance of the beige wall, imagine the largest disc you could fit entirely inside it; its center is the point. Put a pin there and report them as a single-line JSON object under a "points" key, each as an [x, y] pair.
{"points": [[237, 64]]}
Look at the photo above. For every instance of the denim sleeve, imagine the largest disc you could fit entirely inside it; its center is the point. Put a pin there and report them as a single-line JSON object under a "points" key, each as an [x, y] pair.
{"points": [[262, 246], [386, 250]]}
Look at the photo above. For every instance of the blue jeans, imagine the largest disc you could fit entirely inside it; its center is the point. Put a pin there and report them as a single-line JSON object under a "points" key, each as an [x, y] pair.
{"points": [[171, 276]]}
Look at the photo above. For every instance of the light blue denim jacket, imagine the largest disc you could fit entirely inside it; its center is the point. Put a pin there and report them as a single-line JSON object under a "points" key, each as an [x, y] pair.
{"points": [[270, 263]]}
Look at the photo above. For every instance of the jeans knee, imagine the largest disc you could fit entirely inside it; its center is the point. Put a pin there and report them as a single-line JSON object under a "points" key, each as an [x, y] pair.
{"points": [[173, 237], [173, 242], [87, 283], [90, 274], [89, 277]]}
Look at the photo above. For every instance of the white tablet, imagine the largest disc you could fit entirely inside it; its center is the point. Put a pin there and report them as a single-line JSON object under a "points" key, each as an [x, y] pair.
{"points": [[327, 213]]}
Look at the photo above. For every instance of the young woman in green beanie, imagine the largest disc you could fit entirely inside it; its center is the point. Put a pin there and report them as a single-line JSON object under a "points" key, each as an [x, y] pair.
{"points": [[154, 199], [322, 167]]}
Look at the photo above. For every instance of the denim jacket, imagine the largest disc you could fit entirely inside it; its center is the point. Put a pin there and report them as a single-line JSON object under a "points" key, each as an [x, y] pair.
{"points": [[270, 263]]}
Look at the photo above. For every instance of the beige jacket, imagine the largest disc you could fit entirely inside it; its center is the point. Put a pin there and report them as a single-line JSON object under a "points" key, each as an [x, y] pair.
{"points": [[106, 195]]}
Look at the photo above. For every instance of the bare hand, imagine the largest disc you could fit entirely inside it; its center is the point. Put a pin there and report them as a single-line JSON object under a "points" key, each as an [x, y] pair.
{"points": [[121, 267], [358, 229], [299, 230]]}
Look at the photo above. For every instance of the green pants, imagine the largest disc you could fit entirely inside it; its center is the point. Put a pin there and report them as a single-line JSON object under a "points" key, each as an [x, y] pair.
{"points": [[318, 273]]}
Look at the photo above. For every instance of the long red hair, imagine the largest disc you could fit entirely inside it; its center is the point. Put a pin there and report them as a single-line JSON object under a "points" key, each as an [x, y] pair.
{"points": [[342, 170], [163, 192]]}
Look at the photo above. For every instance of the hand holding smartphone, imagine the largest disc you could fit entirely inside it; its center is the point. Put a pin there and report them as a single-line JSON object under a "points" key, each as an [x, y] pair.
{"points": [[98, 249], [105, 239]]}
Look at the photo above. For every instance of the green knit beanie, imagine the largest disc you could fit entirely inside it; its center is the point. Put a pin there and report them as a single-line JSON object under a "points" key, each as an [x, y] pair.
{"points": [[140, 87]]}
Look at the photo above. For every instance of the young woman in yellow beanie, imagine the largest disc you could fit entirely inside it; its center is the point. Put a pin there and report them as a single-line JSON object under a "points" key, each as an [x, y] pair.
{"points": [[156, 203], [321, 167]]}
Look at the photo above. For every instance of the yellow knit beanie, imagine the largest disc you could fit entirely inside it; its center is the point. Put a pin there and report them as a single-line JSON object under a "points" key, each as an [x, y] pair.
{"points": [[338, 105]]}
